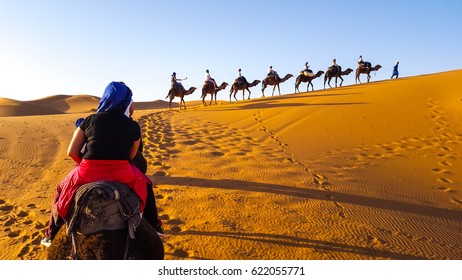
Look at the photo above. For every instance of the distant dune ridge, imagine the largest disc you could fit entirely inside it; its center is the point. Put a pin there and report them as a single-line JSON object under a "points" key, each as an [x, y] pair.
{"points": [[369, 171], [62, 104]]}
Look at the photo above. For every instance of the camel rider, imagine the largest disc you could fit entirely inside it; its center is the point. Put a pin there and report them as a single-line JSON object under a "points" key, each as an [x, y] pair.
{"points": [[175, 82], [209, 78], [272, 73], [334, 66], [240, 78], [363, 63], [306, 70]]}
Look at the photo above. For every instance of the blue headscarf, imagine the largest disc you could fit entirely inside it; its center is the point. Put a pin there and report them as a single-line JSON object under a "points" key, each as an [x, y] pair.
{"points": [[117, 97]]}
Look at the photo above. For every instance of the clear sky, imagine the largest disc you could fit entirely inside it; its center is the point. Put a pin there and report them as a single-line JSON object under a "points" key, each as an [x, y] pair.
{"points": [[50, 47]]}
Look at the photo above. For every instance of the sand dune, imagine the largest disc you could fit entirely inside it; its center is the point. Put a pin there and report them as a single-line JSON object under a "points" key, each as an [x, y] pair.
{"points": [[59, 104], [10, 107], [368, 171], [70, 104]]}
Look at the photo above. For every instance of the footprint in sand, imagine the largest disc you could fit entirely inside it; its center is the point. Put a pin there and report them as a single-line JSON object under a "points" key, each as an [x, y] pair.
{"points": [[444, 180], [444, 189], [320, 180], [456, 201], [341, 213]]}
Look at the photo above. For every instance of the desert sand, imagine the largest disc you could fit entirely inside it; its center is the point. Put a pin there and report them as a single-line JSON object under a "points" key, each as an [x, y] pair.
{"points": [[369, 171]]}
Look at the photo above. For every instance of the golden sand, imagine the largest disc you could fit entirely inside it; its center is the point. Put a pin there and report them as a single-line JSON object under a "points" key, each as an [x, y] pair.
{"points": [[369, 171]]}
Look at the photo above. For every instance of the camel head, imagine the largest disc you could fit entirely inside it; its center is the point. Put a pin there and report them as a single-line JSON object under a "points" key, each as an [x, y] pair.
{"points": [[319, 73], [223, 85], [190, 91], [348, 71], [377, 67], [254, 83], [286, 77]]}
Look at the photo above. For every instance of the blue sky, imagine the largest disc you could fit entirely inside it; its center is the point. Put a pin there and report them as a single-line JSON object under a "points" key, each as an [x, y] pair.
{"points": [[51, 47]]}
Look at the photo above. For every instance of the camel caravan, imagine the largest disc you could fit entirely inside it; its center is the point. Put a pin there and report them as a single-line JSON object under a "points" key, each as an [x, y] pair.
{"points": [[272, 79]]}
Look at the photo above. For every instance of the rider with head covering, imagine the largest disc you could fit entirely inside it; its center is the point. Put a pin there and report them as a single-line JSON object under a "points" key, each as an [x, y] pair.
{"points": [[175, 82], [208, 78], [112, 139]]}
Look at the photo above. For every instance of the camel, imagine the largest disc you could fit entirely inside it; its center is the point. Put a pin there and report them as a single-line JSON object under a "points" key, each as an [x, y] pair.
{"points": [[208, 88], [178, 92], [244, 85], [302, 78], [274, 81], [109, 245], [105, 222], [333, 72], [366, 70]]}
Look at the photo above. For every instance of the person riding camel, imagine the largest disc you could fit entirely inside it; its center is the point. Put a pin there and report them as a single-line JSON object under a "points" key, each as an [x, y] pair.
{"points": [[272, 73], [240, 79], [334, 68], [175, 82], [362, 63], [209, 78], [111, 140], [306, 70]]}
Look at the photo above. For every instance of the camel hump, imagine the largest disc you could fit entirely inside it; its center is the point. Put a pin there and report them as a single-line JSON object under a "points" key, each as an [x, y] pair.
{"points": [[241, 80], [104, 205], [308, 73], [335, 69], [367, 64]]}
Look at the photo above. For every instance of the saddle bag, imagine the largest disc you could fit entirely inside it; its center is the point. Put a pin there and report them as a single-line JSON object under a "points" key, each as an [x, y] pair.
{"points": [[104, 205]]}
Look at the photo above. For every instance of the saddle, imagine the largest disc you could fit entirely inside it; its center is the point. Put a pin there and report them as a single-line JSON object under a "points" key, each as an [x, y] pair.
{"points": [[104, 205], [366, 64], [335, 69], [178, 87], [308, 73], [240, 80]]}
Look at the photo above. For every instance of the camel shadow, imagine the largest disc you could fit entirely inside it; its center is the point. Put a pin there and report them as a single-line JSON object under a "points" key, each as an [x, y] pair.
{"points": [[275, 104], [317, 245], [317, 194]]}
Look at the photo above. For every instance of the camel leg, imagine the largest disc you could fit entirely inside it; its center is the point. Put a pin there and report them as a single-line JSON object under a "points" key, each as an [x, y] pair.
{"points": [[328, 82], [279, 90], [182, 102], [368, 78], [341, 79], [170, 103], [263, 90], [296, 88], [249, 93], [308, 86]]}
